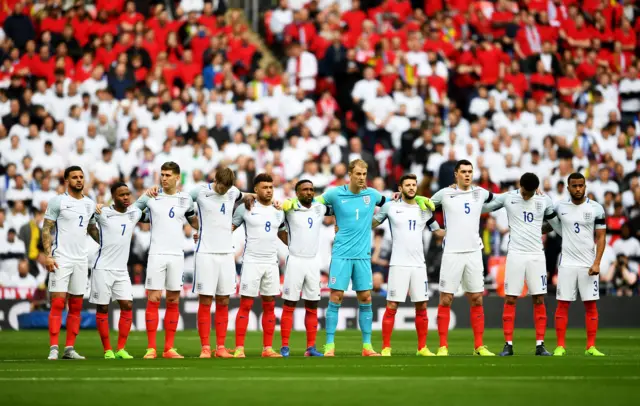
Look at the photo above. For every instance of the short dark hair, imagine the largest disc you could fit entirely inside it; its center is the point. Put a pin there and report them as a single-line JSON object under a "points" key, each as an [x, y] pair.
{"points": [[225, 176], [301, 182], [576, 176], [117, 185], [171, 166], [408, 176], [263, 177], [529, 181], [460, 163], [70, 169]]}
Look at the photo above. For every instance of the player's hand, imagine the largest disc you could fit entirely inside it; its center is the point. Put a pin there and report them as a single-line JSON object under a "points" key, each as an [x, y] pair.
{"points": [[99, 207], [595, 269], [249, 201], [336, 228], [396, 196], [196, 237], [277, 204], [51, 264], [453, 186], [425, 203], [152, 191], [440, 233], [539, 192], [287, 205]]}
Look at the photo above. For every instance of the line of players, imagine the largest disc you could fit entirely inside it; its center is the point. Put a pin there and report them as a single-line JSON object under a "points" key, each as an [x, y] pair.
{"points": [[221, 209]]}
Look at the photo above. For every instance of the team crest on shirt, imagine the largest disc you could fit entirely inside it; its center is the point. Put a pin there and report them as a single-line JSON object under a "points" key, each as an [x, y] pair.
{"points": [[95, 295], [539, 207], [286, 291], [588, 216], [88, 207], [182, 202], [476, 195], [392, 293], [366, 199], [132, 216]]}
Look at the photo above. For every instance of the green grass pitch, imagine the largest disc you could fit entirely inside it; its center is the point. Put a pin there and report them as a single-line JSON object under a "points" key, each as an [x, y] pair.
{"points": [[27, 377]]}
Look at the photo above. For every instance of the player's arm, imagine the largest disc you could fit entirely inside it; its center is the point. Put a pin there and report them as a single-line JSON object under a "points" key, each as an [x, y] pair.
{"points": [[142, 201], [434, 227], [601, 240], [496, 203], [92, 230], [50, 217], [436, 199], [238, 217], [283, 235], [381, 216]]}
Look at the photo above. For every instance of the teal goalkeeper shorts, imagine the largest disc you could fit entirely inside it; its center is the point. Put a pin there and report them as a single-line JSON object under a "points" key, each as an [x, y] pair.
{"points": [[357, 271]]}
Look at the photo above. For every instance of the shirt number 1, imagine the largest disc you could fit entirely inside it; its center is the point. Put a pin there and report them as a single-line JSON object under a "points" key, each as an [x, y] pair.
{"points": [[357, 214]]}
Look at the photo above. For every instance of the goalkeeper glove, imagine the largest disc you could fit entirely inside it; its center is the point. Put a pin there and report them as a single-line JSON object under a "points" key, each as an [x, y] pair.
{"points": [[289, 204], [425, 203]]}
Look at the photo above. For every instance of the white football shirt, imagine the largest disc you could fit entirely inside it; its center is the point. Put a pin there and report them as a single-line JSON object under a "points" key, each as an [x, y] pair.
{"points": [[72, 217], [462, 210], [167, 214], [261, 225], [116, 231], [578, 225], [215, 213], [303, 227], [525, 219], [407, 223]]}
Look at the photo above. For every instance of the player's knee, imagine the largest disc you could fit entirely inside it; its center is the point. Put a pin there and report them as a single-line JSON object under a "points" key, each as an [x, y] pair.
{"points": [[289, 303], [102, 308], [126, 305], [537, 299], [336, 296], [246, 303], [172, 297], [392, 305], [205, 300], [420, 306], [511, 300], [268, 298], [222, 300], [310, 304], [475, 299], [154, 295], [446, 299], [364, 297]]}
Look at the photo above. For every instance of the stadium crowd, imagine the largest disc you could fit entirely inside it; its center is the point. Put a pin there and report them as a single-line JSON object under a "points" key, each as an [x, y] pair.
{"points": [[542, 86]]}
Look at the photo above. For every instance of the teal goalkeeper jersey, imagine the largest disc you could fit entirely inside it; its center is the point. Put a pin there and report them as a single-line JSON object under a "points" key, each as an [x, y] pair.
{"points": [[354, 213]]}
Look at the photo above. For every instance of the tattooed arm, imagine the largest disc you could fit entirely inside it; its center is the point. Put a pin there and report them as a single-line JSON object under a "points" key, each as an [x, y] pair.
{"points": [[93, 231], [47, 238]]}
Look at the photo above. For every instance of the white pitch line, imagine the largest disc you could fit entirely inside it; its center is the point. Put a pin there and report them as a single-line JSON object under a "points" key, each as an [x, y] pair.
{"points": [[321, 378], [91, 369]]}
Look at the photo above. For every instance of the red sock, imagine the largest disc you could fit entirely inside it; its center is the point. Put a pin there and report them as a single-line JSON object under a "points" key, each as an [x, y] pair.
{"points": [[268, 322], [151, 318], [171, 317], [124, 327], [540, 320], [422, 326], [562, 318], [242, 320], [204, 324], [477, 325], [508, 321], [388, 320], [55, 319], [311, 325], [444, 314], [286, 324], [73, 320], [221, 321], [591, 322], [102, 321]]}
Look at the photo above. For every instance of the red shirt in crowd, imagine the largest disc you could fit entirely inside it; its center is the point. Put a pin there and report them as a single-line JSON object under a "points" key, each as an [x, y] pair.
{"points": [[568, 83], [519, 82], [545, 79]]}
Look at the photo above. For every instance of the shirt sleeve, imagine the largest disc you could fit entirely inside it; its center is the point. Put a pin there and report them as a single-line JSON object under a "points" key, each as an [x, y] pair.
{"points": [[382, 215], [238, 216], [600, 220], [437, 198], [327, 197], [489, 197], [194, 194], [191, 209], [432, 224], [142, 201], [379, 199], [496, 203], [329, 211], [53, 209], [549, 211], [238, 193]]}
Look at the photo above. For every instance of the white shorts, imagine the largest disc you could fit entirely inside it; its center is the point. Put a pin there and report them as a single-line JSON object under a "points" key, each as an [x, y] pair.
{"points": [[411, 279], [259, 280], [302, 275], [214, 274], [529, 267], [165, 272], [70, 277], [573, 279], [462, 267], [107, 285]]}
